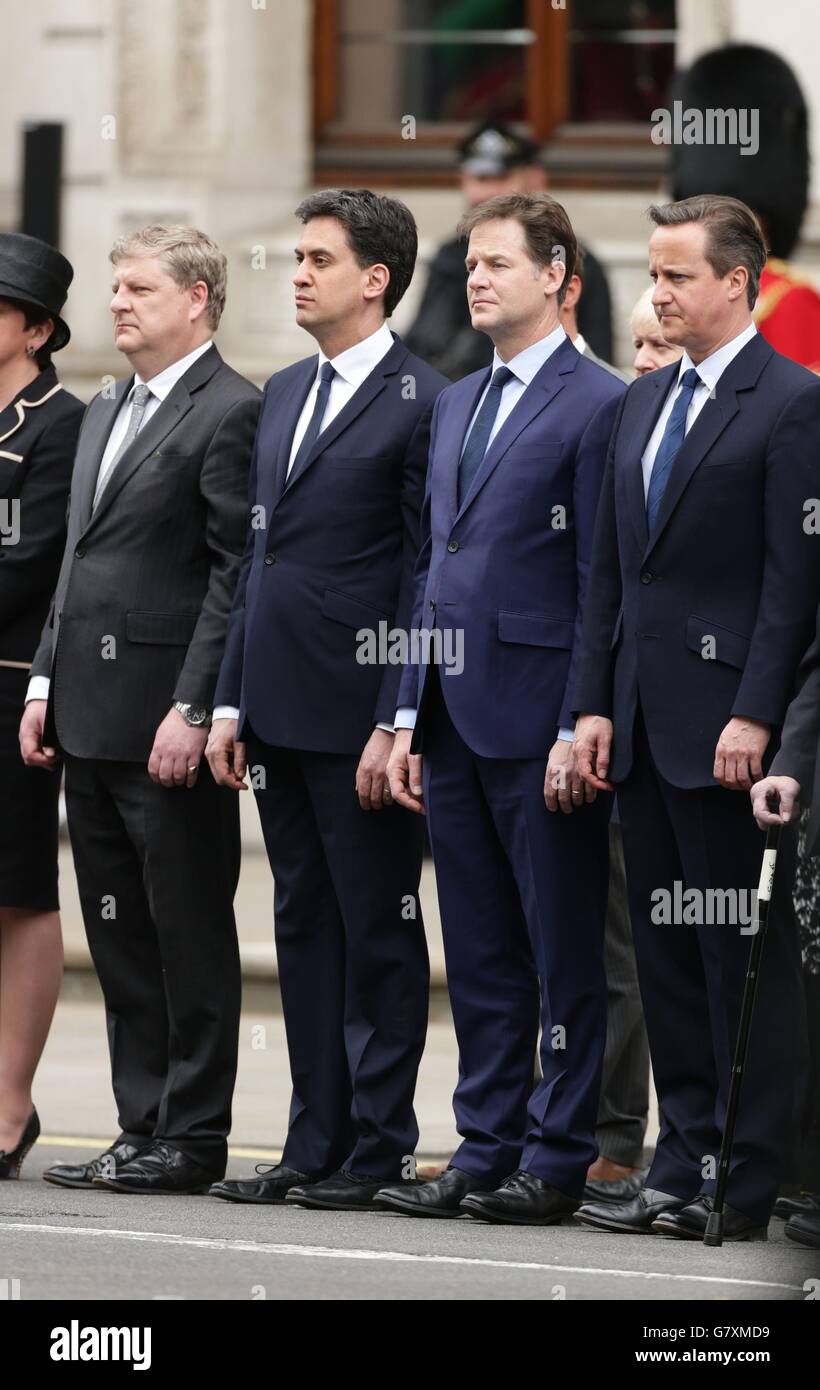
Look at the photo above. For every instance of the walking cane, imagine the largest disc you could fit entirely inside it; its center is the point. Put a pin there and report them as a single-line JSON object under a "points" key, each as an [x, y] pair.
{"points": [[714, 1226]]}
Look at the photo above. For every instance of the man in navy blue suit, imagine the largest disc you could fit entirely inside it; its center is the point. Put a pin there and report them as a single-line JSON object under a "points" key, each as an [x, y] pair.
{"points": [[306, 701], [701, 602], [517, 456]]}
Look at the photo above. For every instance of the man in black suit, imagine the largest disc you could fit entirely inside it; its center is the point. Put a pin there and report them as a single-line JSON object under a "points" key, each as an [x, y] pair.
{"points": [[794, 777], [122, 685], [702, 595], [308, 688]]}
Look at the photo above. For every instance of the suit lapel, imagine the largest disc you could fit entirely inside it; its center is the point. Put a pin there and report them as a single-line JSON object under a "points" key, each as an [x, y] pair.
{"points": [[662, 382], [165, 418], [460, 415], [95, 438], [721, 407], [370, 388], [291, 409], [546, 384]]}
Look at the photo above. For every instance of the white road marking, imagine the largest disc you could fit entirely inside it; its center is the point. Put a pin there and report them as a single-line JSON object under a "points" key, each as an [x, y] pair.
{"points": [[327, 1252]]}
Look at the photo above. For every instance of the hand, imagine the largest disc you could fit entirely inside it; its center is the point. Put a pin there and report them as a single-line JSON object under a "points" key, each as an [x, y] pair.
{"points": [[770, 790], [404, 773], [563, 784], [372, 786], [31, 737], [227, 757], [593, 743], [178, 747], [739, 754]]}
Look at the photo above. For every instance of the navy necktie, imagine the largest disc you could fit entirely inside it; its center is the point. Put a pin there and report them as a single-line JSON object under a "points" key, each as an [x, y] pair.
{"points": [[669, 447], [478, 438], [315, 423]]}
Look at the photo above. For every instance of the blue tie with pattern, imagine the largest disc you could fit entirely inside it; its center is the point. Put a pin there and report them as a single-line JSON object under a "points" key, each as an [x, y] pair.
{"points": [[669, 447], [478, 438], [314, 424]]}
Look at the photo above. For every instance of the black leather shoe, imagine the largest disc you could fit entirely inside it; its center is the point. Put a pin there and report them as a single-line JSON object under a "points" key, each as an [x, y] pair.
{"points": [[804, 1228], [523, 1200], [12, 1161], [798, 1204], [689, 1222], [629, 1218], [621, 1190], [83, 1174], [160, 1169], [269, 1189], [440, 1196], [342, 1191]]}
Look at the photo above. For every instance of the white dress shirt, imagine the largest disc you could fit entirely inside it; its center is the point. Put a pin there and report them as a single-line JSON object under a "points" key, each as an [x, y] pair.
{"points": [[524, 366], [352, 367], [710, 371], [160, 386]]}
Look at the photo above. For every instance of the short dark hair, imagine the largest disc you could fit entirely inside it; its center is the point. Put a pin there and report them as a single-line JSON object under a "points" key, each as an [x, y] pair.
{"points": [[547, 229], [733, 233], [380, 231], [33, 316]]}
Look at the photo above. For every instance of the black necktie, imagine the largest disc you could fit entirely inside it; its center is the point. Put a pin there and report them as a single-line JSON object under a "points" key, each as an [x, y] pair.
{"points": [[478, 438], [314, 424]]}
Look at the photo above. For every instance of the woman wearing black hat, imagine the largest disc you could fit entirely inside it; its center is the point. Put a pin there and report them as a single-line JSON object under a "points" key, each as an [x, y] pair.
{"points": [[39, 424]]}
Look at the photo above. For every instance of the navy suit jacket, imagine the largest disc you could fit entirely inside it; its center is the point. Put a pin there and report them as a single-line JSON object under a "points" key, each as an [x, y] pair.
{"points": [[328, 553], [509, 567], [709, 618]]}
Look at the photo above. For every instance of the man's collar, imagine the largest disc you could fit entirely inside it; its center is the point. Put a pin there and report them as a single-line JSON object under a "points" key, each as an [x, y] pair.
{"points": [[358, 361], [712, 367], [164, 382], [530, 360]]}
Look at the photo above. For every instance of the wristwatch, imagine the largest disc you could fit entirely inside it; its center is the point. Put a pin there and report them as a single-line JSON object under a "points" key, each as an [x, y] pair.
{"points": [[195, 715]]}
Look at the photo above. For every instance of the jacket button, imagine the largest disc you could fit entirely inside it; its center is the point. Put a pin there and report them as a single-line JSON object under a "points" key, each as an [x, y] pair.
{"points": [[452, 546], [79, 552], [647, 577], [432, 603], [270, 558]]}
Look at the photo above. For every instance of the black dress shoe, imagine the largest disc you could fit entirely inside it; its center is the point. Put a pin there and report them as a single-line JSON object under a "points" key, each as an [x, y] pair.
{"points": [[805, 1228], [11, 1161], [342, 1191], [629, 1218], [440, 1196], [797, 1204], [108, 1163], [269, 1189], [621, 1190], [689, 1222], [523, 1200], [160, 1169]]}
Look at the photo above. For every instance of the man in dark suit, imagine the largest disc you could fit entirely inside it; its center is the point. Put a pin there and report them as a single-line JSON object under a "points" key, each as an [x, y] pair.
{"points": [[794, 778], [123, 684], [308, 691], [702, 597], [516, 460]]}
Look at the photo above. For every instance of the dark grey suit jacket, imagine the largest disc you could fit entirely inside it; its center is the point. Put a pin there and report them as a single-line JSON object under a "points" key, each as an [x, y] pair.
{"points": [[141, 607], [798, 753]]}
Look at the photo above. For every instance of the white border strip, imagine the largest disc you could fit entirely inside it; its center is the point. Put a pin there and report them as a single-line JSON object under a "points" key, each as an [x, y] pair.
{"points": [[326, 1252]]}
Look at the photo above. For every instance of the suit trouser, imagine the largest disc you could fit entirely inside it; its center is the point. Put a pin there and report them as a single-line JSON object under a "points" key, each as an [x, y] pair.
{"points": [[352, 957], [157, 870], [624, 1100], [522, 893], [692, 978]]}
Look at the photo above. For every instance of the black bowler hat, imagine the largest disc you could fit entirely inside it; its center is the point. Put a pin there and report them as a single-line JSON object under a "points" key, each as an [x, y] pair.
{"points": [[492, 149], [32, 271]]}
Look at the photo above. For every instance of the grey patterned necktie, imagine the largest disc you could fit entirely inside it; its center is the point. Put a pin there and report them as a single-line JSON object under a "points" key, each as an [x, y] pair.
{"points": [[140, 397]]}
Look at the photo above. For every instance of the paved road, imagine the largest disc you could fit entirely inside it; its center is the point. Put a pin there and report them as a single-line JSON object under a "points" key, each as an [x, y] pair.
{"points": [[98, 1245]]}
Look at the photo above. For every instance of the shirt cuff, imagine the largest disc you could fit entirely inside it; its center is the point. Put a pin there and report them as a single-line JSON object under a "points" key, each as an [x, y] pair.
{"points": [[388, 728], [225, 712], [567, 735], [405, 718], [38, 688]]}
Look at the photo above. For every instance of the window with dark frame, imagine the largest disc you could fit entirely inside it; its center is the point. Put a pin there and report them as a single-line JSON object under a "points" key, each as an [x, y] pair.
{"points": [[582, 78]]}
